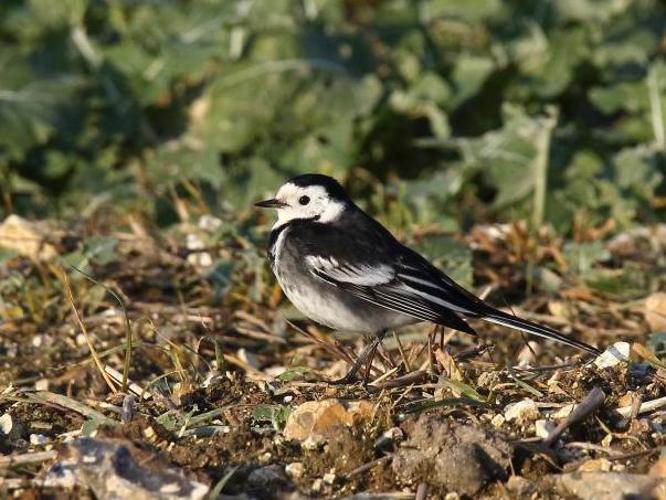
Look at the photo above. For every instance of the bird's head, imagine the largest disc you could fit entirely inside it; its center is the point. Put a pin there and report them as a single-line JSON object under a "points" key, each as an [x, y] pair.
{"points": [[309, 196]]}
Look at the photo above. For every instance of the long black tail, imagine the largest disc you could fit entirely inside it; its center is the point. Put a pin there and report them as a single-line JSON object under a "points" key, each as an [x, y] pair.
{"points": [[504, 319]]}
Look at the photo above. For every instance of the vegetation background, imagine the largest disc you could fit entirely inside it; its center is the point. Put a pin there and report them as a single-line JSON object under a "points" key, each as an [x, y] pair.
{"points": [[443, 111]]}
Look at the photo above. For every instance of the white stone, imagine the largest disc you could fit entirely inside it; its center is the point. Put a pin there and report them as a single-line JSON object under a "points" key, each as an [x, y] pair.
{"points": [[521, 411], [193, 242], [37, 439], [42, 384], [543, 428], [317, 485], [248, 357], [6, 424], [295, 470], [613, 355], [394, 434], [311, 443], [498, 420], [201, 259], [564, 412], [329, 478], [209, 223]]}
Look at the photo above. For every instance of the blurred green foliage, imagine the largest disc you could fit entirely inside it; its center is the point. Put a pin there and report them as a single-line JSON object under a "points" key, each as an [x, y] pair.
{"points": [[461, 109]]}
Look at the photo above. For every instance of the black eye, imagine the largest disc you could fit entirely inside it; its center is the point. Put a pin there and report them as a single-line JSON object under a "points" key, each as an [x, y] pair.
{"points": [[304, 200]]}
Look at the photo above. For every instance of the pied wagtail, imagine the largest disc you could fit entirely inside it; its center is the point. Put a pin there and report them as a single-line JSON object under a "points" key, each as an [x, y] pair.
{"points": [[344, 270]]}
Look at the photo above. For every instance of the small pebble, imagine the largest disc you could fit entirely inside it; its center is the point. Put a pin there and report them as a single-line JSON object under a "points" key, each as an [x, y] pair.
{"points": [[295, 470], [248, 357], [389, 438], [564, 411], [498, 420], [521, 411], [614, 355], [311, 443], [37, 439], [42, 384], [6, 424], [209, 223], [317, 485], [543, 428]]}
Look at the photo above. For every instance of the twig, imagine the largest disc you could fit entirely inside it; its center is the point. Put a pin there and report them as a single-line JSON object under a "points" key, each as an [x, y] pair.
{"points": [[592, 447], [409, 378], [591, 403], [384, 376], [129, 406], [646, 407], [635, 454], [421, 492], [27, 458], [367, 466], [473, 351]]}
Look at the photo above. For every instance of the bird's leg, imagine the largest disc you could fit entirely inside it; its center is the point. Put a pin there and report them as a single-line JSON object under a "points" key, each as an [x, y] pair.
{"points": [[371, 356], [367, 355]]}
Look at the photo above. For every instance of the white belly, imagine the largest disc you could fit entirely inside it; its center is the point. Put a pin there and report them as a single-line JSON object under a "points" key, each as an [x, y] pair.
{"points": [[326, 304], [325, 309]]}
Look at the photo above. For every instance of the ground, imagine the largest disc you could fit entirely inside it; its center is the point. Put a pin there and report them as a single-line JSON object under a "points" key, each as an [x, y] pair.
{"points": [[222, 371]]}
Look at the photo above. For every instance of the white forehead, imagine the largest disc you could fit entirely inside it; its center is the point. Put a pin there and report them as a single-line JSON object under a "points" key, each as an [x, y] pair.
{"points": [[289, 190]]}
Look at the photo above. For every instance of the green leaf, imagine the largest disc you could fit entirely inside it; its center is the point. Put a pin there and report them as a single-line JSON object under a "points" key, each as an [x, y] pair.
{"points": [[581, 257], [275, 414]]}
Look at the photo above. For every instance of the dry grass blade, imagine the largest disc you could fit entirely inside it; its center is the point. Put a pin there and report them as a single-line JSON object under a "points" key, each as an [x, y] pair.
{"points": [[523, 384], [132, 386], [46, 397], [93, 352], [405, 361], [217, 490], [128, 326], [330, 347]]}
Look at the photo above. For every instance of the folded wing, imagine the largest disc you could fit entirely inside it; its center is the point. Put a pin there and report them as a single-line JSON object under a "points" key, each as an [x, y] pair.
{"points": [[388, 285]]}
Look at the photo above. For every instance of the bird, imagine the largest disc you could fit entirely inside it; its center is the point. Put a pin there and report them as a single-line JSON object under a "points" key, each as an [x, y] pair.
{"points": [[342, 269]]}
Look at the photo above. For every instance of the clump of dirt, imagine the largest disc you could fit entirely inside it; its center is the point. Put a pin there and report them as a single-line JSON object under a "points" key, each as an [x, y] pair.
{"points": [[452, 457]]}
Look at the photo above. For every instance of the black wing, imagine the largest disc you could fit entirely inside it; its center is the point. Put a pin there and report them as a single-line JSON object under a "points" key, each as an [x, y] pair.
{"points": [[372, 265], [377, 270]]}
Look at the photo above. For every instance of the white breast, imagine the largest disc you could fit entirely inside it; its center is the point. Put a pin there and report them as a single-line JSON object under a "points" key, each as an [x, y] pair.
{"points": [[322, 302]]}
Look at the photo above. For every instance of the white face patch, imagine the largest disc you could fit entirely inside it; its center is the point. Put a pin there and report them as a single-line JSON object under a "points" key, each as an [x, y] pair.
{"points": [[307, 202]]}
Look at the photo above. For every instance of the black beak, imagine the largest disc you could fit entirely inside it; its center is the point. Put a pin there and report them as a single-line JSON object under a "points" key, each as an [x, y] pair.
{"points": [[272, 203]]}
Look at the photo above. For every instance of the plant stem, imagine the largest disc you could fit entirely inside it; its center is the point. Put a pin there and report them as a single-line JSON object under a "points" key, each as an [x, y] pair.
{"points": [[541, 165]]}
